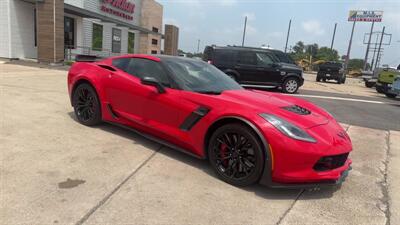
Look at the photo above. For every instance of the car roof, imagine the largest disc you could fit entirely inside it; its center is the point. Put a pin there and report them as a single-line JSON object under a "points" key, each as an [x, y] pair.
{"points": [[242, 48], [155, 57]]}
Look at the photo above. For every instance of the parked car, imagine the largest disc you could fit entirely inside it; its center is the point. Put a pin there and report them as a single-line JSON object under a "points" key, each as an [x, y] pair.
{"points": [[395, 90], [256, 67], [370, 77], [248, 136], [331, 71], [385, 81]]}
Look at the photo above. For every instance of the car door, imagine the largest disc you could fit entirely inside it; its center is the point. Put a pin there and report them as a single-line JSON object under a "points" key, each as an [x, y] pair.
{"points": [[246, 66], [124, 92], [161, 113], [267, 70]]}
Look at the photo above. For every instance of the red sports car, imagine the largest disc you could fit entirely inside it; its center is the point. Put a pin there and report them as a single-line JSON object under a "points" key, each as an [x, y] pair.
{"points": [[247, 135]]}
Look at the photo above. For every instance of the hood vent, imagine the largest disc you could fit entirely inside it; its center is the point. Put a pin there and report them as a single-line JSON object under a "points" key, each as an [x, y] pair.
{"points": [[297, 109]]}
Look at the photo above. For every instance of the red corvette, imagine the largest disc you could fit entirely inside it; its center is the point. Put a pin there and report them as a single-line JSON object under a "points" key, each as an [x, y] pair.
{"points": [[247, 135]]}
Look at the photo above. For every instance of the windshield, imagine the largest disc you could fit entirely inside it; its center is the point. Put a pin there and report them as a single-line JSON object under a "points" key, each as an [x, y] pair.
{"points": [[199, 76]]}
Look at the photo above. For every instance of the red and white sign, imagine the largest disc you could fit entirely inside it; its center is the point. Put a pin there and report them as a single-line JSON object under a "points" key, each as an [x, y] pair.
{"points": [[365, 16], [121, 8]]}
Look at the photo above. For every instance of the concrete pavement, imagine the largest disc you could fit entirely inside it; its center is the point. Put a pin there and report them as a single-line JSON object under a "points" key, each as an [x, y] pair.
{"points": [[55, 171]]}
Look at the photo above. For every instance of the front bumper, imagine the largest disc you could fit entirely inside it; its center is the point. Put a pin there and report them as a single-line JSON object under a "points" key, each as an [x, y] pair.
{"points": [[293, 161], [343, 175], [329, 75]]}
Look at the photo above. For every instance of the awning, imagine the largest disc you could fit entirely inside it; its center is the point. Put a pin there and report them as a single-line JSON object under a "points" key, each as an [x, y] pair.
{"points": [[89, 14]]}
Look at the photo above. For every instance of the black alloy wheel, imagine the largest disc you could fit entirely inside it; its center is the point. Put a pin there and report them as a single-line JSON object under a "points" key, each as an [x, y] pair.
{"points": [[86, 105], [236, 154]]}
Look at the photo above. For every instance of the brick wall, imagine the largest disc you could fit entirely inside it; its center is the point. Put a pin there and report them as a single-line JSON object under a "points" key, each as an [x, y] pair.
{"points": [[151, 16], [171, 40], [50, 31]]}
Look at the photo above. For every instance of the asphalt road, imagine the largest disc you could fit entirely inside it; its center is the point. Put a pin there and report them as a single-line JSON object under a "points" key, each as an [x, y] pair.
{"points": [[372, 112]]}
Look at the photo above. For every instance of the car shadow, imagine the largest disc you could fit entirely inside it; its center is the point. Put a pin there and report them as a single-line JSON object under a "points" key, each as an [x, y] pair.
{"points": [[203, 165]]}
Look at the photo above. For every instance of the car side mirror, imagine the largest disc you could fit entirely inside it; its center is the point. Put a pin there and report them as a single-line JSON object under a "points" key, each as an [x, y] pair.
{"points": [[151, 81]]}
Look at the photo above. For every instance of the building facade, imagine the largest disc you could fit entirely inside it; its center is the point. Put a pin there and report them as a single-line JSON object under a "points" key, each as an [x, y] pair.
{"points": [[171, 40], [52, 31]]}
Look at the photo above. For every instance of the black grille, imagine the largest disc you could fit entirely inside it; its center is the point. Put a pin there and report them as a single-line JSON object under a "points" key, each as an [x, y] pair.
{"points": [[331, 162], [297, 109]]}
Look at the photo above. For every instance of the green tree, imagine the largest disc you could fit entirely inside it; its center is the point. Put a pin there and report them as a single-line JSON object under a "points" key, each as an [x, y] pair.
{"points": [[312, 50], [356, 64], [298, 51], [327, 54]]}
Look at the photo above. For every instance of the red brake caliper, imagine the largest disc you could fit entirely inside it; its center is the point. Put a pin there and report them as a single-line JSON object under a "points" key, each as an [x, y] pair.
{"points": [[223, 151]]}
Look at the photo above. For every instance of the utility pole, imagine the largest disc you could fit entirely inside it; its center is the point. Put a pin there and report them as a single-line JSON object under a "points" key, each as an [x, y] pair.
{"points": [[198, 45], [244, 30], [333, 37], [287, 36], [369, 42], [379, 48], [375, 48], [349, 48]]}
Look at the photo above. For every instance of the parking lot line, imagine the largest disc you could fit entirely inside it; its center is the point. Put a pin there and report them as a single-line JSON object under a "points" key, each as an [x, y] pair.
{"points": [[343, 99]]}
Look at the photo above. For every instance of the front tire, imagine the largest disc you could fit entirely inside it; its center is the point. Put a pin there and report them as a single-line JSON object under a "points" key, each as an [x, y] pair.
{"points": [[291, 85], [86, 105], [236, 155]]}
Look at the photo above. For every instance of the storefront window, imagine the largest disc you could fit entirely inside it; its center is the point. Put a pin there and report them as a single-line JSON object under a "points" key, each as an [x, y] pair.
{"points": [[131, 42], [69, 32], [97, 37], [116, 40]]}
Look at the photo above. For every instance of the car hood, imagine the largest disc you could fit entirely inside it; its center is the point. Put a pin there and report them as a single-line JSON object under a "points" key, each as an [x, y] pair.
{"points": [[278, 104], [288, 66]]}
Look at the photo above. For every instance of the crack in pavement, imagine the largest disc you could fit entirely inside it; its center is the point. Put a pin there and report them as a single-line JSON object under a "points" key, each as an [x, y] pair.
{"points": [[385, 200], [291, 207], [299, 195], [108, 196]]}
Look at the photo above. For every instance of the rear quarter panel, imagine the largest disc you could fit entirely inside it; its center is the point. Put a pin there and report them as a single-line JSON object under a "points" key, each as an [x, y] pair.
{"points": [[88, 72]]}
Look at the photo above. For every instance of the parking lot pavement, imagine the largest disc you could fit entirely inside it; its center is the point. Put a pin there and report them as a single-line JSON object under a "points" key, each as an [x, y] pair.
{"points": [[353, 86], [55, 171], [393, 176]]}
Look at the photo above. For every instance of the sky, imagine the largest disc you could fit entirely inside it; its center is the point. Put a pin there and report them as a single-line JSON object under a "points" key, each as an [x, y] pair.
{"points": [[221, 22]]}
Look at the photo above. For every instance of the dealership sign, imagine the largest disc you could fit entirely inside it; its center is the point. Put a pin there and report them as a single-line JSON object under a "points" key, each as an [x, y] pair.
{"points": [[121, 8], [365, 16]]}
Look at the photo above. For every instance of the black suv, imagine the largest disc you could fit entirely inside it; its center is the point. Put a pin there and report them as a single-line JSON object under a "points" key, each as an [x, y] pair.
{"points": [[256, 67], [331, 71]]}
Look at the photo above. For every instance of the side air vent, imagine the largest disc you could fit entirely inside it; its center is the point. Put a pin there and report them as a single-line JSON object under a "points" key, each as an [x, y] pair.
{"points": [[297, 109], [107, 67]]}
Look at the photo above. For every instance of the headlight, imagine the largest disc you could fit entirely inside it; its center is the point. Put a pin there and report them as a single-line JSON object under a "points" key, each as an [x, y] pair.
{"points": [[287, 128]]}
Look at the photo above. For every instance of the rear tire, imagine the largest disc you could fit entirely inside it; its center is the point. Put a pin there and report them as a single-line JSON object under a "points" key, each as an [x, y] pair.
{"points": [[236, 155], [86, 105], [290, 85], [369, 84], [390, 95]]}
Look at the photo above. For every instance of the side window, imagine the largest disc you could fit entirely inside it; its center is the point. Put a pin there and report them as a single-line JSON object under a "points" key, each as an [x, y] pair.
{"points": [[147, 68], [263, 59], [247, 58], [224, 56], [121, 63]]}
